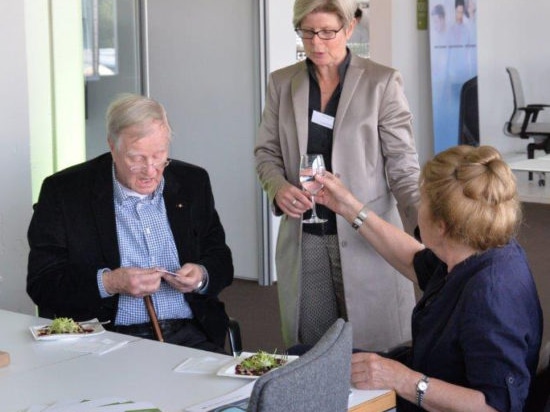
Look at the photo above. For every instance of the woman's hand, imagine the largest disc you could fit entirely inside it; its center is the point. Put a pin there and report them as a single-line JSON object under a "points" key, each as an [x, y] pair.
{"points": [[292, 201], [372, 371], [337, 197]]}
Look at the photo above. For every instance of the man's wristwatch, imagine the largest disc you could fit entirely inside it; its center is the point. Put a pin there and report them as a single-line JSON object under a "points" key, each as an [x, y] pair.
{"points": [[201, 284], [421, 388]]}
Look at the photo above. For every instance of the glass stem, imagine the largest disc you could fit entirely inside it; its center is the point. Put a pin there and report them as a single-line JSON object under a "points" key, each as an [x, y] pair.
{"points": [[313, 211]]}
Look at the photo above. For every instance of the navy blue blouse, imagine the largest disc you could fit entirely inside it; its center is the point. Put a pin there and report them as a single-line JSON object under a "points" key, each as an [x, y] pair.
{"points": [[479, 326]]}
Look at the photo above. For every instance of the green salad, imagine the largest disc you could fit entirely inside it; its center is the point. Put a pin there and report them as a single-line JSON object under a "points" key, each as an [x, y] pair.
{"points": [[259, 363], [62, 326]]}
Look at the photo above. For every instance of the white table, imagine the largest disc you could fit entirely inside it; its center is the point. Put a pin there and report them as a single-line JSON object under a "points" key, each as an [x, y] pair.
{"points": [[540, 165], [142, 370]]}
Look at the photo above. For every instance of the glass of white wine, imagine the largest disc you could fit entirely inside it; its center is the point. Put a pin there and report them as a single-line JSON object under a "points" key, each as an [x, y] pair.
{"points": [[311, 165]]}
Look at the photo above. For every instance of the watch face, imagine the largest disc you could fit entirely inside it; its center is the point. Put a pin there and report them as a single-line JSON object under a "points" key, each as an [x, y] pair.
{"points": [[422, 386]]}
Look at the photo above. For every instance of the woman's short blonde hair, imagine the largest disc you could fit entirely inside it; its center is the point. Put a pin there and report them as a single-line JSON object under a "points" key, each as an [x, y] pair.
{"points": [[473, 192], [133, 110], [344, 9]]}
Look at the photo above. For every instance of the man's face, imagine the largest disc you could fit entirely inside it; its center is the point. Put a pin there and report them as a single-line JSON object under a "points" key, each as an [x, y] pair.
{"points": [[140, 156]]}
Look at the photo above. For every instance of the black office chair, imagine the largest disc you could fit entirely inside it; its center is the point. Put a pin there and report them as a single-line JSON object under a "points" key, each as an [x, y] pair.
{"points": [[523, 121], [468, 122]]}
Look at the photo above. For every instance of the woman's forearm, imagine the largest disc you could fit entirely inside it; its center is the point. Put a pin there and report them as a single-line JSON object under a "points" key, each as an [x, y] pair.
{"points": [[393, 244]]}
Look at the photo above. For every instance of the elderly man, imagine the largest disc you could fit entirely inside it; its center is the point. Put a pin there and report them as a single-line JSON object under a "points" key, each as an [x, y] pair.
{"points": [[108, 232]]}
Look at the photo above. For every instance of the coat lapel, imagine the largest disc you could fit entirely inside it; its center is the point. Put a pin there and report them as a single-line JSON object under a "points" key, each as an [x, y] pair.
{"points": [[351, 82], [104, 212], [300, 103], [178, 212]]}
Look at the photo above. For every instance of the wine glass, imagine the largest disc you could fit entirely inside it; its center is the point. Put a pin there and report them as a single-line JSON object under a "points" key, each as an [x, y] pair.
{"points": [[311, 165]]}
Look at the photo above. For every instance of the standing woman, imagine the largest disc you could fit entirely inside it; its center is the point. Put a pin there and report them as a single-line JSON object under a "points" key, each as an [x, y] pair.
{"points": [[354, 112]]}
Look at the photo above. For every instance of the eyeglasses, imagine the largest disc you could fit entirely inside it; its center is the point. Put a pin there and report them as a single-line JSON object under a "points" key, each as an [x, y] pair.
{"points": [[138, 168], [322, 34]]}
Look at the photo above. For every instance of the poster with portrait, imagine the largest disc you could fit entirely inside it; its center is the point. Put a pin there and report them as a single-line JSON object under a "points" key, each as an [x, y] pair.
{"points": [[453, 58]]}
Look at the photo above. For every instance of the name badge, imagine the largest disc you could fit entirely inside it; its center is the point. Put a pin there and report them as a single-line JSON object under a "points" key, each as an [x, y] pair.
{"points": [[322, 119]]}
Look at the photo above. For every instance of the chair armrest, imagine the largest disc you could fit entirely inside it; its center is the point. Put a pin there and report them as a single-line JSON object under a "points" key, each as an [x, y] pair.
{"points": [[531, 114]]}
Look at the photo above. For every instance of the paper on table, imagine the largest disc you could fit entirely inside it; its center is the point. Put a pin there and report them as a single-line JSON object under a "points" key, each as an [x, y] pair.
{"points": [[98, 346], [204, 365], [238, 399], [111, 404]]}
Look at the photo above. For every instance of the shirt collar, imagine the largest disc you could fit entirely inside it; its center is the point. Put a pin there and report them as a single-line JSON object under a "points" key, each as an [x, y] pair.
{"points": [[342, 67], [122, 193]]}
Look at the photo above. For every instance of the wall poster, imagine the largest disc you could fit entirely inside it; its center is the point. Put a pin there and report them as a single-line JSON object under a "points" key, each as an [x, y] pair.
{"points": [[453, 54]]}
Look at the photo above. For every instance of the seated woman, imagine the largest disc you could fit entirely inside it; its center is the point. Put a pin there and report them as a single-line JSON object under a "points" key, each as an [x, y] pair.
{"points": [[477, 329]]}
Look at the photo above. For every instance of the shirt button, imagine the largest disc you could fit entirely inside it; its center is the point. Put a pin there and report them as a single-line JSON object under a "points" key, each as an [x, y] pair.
{"points": [[147, 231], [344, 243], [510, 380]]}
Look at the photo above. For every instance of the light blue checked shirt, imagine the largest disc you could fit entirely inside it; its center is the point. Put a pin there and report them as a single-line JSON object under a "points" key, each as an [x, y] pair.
{"points": [[145, 240]]}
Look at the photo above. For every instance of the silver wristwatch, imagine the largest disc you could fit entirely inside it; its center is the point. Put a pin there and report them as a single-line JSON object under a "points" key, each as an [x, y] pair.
{"points": [[421, 388], [361, 216], [203, 281]]}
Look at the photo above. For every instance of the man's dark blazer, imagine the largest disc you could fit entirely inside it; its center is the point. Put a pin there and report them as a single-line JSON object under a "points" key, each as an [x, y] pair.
{"points": [[72, 235]]}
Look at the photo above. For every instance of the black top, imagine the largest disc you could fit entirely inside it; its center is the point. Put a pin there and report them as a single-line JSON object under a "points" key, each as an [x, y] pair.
{"points": [[320, 139], [478, 326]]}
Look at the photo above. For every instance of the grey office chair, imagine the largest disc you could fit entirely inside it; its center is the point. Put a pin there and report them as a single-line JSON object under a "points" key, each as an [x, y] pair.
{"points": [[523, 121], [318, 381]]}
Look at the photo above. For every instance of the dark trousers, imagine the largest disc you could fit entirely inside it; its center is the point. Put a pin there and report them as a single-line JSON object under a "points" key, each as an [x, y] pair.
{"points": [[183, 332]]}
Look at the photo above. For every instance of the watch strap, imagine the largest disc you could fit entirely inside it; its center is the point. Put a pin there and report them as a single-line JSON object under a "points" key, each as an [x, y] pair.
{"points": [[421, 388]]}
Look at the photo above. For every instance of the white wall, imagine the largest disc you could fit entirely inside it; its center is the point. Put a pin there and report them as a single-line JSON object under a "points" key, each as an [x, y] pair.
{"points": [[511, 33], [281, 38], [15, 179]]}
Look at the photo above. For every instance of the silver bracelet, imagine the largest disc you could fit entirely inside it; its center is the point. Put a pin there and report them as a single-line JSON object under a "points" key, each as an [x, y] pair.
{"points": [[361, 216]]}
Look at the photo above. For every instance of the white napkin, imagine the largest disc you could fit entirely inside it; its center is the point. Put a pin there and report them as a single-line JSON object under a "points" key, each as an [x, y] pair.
{"points": [[97, 345], [204, 365]]}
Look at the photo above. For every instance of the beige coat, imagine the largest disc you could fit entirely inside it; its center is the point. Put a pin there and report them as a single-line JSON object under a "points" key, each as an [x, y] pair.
{"points": [[372, 140]]}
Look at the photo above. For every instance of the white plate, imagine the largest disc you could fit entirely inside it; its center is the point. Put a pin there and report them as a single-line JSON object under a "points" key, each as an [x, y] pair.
{"points": [[229, 369], [96, 327]]}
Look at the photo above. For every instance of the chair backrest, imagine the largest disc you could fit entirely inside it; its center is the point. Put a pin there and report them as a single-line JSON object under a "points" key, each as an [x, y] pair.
{"points": [[468, 123], [517, 88], [318, 381], [519, 99]]}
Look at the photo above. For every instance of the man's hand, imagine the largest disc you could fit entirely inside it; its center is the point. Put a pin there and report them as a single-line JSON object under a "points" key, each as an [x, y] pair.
{"points": [[188, 278], [136, 282]]}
